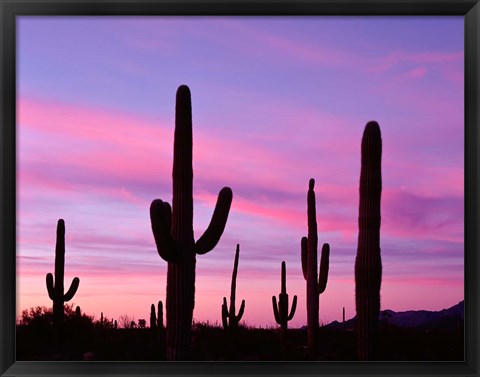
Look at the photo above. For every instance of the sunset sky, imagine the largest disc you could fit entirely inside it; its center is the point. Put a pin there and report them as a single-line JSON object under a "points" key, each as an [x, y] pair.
{"points": [[276, 101]]}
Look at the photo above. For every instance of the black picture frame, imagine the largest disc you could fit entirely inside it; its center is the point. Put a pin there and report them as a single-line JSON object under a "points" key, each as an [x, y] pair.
{"points": [[10, 9]]}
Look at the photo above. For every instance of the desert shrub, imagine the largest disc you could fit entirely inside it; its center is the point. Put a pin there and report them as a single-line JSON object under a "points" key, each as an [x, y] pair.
{"points": [[36, 316]]}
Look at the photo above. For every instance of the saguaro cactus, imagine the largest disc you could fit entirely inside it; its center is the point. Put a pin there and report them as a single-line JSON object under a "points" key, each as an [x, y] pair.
{"points": [[56, 289], [281, 310], [368, 263], [156, 321], [153, 317], [173, 232], [160, 316], [309, 248], [229, 319]]}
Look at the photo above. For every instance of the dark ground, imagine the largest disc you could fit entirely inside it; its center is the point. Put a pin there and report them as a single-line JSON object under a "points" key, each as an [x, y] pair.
{"points": [[212, 343]]}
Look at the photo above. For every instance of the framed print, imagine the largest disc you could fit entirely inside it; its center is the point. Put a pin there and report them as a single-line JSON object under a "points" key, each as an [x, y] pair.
{"points": [[239, 188]]}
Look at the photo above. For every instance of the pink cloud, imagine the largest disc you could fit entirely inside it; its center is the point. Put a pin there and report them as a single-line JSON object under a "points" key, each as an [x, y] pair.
{"points": [[407, 215], [416, 73], [93, 124], [428, 57], [274, 192]]}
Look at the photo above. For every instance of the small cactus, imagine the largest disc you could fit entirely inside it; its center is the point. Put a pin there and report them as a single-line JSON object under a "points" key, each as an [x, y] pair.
{"points": [[368, 262], [281, 310], [315, 287], [156, 322], [78, 312], [172, 228], [115, 324], [153, 317], [229, 319], [56, 289], [160, 316]]}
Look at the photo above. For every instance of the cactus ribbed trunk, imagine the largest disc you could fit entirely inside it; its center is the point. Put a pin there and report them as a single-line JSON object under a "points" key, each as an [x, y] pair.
{"points": [[368, 263], [56, 287], [173, 232], [59, 272], [313, 297], [181, 274], [309, 252]]}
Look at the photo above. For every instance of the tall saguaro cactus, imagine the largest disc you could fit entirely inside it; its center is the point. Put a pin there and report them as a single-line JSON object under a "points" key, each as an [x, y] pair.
{"points": [[368, 263], [56, 289], [173, 232], [309, 247], [229, 319], [281, 310]]}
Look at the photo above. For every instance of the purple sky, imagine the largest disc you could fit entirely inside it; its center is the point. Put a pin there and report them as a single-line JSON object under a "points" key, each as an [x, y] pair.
{"points": [[276, 101]]}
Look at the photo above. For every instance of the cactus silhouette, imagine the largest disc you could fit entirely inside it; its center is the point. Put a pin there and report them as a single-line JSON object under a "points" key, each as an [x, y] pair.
{"points": [[173, 232], [78, 312], [309, 251], [281, 310], [156, 322], [368, 263], [229, 319], [153, 317], [160, 316], [56, 289]]}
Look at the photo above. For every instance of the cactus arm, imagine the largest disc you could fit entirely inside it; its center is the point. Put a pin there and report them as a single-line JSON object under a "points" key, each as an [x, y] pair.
{"points": [[224, 305], [73, 289], [168, 215], [240, 312], [160, 216], [212, 234], [324, 264], [275, 310], [294, 307], [234, 282], [50, 287], [304, 247], [224, 313]]}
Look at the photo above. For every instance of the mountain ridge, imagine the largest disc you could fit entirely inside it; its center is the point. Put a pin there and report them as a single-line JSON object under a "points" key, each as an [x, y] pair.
{"points": [[446, 319]]}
